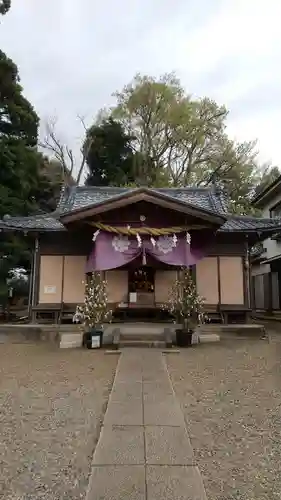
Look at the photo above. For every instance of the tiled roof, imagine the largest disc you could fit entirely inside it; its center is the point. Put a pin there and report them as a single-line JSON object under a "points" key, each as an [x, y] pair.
{"points": [[33, 222], [75, 198], [246, 223], [233, 224], [80, 197]]}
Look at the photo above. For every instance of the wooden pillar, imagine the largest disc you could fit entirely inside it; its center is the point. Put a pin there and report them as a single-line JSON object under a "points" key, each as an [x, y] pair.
{"points": [[30, 288], [59, 315], [35, 277], [247, 277], [219, 282]]}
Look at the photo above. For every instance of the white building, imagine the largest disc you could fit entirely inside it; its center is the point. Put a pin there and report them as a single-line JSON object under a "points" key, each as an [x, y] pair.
{"points": [[266, 260]]}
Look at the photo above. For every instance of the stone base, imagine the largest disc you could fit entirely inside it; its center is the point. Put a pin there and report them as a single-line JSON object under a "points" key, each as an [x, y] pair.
{"points": [[71, 340], [210, 337]]}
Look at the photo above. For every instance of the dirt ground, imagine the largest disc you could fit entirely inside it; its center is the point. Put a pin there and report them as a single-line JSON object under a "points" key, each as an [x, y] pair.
{"points": [[231, 397], [52, 403]]}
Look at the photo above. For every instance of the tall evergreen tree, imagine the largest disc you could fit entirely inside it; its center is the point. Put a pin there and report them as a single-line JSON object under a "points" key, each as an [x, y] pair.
{"points": [[110, 156], [5, 5], [23, 174]]}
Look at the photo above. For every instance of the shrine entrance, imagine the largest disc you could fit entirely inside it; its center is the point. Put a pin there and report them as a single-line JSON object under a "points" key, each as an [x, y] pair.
{"points": [[141, 287], [142, 280], [141, 306]]}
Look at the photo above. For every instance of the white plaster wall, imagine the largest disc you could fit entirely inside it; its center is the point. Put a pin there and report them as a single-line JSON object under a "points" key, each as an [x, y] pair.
{"points": [[273, 248], [260, 269]]}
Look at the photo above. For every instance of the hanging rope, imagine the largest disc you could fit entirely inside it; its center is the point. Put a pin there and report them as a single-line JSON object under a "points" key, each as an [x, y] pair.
{"points": [[152, 231], [127, 230]]}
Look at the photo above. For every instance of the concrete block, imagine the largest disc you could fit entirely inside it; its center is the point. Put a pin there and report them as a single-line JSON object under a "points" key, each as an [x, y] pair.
{"points": [[158, 388], [126, 391], [120, 445], [180, 483], [70, 340], [167, 446], [162, 410], [117, 483], [211, 337], [124, 413]]}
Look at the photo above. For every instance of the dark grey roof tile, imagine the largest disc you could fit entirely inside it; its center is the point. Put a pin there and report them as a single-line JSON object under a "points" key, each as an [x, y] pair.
{"points": [[33, 222], [247, 223], [83, 196]]}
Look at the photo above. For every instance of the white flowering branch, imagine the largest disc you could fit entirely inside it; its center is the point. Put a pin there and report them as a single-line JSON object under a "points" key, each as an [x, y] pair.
{"points": [[94, 311], [184, 302]]}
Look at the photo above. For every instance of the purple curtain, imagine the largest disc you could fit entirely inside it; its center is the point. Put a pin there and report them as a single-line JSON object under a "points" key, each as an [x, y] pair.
{"points": [[105, 255]]}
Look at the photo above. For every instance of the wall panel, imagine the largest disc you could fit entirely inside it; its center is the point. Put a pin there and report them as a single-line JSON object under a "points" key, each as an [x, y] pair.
{"points": [[207, 280], [50, 285], [74, 279], [231, 280]]}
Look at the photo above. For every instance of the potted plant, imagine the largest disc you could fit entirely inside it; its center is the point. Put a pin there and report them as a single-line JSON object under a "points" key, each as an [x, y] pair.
{"points": [[94, 312], [186, 305]]}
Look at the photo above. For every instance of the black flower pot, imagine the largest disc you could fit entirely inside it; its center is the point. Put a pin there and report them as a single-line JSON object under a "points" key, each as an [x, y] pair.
{"points": [[184, 337], [93, 338]]}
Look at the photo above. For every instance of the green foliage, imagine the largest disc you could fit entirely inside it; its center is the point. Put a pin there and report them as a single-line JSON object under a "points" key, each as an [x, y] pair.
{"points": [[46, 191], [5, 5], [110, 156], [94, 311], [179, 141], [184, 303], [270, 175], [25, 181], [112, 160], [18, 119]]}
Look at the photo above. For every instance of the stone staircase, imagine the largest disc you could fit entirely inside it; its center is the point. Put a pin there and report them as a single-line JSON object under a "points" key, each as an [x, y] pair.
{"points": [[142, 335]]}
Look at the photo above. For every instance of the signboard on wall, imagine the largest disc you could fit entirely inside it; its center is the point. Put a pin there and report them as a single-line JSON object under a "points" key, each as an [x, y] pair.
{"points": [[50, 289]]}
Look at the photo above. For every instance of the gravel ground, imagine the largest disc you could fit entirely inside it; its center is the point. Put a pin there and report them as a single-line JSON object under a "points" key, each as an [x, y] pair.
{"points": [[231, 397], [52, 403]]}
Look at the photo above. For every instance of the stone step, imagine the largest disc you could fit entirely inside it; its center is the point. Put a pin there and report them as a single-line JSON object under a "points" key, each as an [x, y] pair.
{"points": [[142, 343], [210, 337], [142, 335], [68, 341], [140, 328]]}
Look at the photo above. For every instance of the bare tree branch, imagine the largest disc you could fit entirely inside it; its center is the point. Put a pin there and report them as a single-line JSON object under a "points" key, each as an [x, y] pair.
{"points": [[85, 149], [62, 152]]}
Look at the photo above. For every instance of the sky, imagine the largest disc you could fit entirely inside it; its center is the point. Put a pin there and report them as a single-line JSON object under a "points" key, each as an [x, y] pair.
{"points": [[73, 54]]}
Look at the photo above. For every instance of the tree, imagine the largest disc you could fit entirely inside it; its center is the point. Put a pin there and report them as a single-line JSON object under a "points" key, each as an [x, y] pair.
{"points": [[110, 158], [5, 5], [175, 132], [270, 174], [24, 181], [185, 139], [63, 154]]}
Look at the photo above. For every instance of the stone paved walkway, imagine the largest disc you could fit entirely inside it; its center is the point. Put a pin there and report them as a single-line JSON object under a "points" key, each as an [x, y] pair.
{"points": [[144, 452]]}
